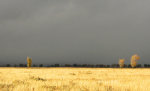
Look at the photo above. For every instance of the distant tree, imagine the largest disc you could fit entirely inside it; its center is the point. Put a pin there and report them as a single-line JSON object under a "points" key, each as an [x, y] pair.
{"points": [[15, 65], [21, 65], [8, 65], [67, 65], [79, 65], [75, 65], [89, 65], [92, 65], [145, 65], [139, 65], [134, 59], [29, 62], [102, 65], [84, 65], [125, 66], [108, 66], [52, 65], [105, 66], [24, 65], [41, 65], [148, 65], [129, 66], [57, 65], [115, 65], [98, 65], [48, 66], [34, 65], [121, 63]]}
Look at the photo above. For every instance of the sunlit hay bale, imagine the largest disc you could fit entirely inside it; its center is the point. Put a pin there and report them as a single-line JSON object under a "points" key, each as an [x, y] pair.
{"points": [[29, 62], [121, 63], [134, 59]]}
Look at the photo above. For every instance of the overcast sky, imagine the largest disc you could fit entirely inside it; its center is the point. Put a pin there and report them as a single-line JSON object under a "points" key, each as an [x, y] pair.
{"points": [[74, 31]]}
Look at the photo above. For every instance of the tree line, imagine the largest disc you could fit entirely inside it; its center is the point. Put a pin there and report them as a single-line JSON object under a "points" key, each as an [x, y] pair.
{"points": [[79, 65], [120, 64]]}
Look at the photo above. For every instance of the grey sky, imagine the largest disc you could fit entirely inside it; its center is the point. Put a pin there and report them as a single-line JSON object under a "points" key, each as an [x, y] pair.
{"points": [[74, 31]]}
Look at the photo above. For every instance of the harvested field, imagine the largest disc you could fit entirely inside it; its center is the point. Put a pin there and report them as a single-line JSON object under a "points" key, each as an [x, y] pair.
{"points": [[74, 79]]}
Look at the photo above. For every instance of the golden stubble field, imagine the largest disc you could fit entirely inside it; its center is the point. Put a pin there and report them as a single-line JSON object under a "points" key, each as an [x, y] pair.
{"points": [[74, 79]]}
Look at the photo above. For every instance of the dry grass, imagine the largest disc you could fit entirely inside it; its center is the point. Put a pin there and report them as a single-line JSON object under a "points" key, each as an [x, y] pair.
{"points": [[74, 79]]}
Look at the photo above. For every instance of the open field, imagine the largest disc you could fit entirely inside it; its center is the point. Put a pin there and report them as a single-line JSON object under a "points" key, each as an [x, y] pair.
{"points": [[74, 79]]}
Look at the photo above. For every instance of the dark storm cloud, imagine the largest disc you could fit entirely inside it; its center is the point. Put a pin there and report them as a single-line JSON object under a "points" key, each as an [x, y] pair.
{"points": [[74, 31]]}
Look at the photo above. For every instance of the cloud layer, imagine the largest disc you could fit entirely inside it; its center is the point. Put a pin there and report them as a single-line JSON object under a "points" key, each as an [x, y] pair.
{"points": [[74, 31]]}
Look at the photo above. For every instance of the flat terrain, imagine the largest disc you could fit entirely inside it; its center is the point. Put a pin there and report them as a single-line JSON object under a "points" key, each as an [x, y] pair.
{"points": [[74, 79]]}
